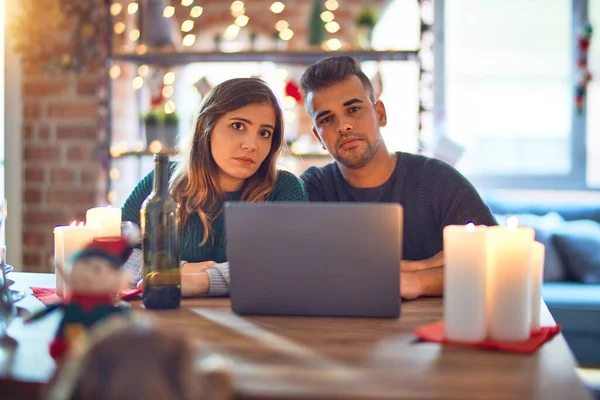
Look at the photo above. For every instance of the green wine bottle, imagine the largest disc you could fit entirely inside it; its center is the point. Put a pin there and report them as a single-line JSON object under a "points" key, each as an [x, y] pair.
{"points": [[159, 218]]}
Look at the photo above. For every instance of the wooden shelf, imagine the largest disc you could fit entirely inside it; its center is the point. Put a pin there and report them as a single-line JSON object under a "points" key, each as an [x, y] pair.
{"points": [[308, 155], [140, 153], [143, 153], [285, 57]]}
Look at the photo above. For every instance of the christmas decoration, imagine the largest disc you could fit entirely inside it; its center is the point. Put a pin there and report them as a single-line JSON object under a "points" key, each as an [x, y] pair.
{"points": [[583, 72], [377, 83], [217, 41], [92, 287], [366, 19], [158, 32], [316, 26], [426, 134], [161, 127], [61, 35], [203, 86], [292, 89], [252, 38], [278, 41], [155, 85], [123, 354]]}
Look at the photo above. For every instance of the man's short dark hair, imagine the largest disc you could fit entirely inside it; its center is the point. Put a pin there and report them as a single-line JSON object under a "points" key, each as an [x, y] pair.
{"points": [[333, 70]]}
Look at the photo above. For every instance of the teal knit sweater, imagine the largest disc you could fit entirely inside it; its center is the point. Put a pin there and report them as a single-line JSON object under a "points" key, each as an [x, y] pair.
{"points": [[288, 188]]}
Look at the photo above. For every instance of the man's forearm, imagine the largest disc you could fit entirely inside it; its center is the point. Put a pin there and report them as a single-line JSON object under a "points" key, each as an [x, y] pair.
{"points": [[429, 263]]}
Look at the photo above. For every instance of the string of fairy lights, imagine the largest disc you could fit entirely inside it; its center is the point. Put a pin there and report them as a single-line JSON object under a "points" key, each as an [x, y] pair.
{"points": [[241, 20], [188, 14]]}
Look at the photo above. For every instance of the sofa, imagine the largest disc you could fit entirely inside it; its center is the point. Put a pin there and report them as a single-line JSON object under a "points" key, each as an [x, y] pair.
{"points": [[569, 226]]}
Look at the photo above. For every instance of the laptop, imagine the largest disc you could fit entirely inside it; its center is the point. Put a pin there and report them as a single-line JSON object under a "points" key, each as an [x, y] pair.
{"points": [[315, 259]]}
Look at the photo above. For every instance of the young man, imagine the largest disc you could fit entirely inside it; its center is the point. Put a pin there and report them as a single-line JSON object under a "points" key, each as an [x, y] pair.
{"points": [[346, 117]]}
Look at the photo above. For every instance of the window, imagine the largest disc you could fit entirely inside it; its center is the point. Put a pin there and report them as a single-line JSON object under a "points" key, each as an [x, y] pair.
{"points": [[593, 118], [398, 28], [509, 100]]}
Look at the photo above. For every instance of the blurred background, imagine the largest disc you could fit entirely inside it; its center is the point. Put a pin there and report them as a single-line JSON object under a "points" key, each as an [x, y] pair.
{"points": [[504, 91]]}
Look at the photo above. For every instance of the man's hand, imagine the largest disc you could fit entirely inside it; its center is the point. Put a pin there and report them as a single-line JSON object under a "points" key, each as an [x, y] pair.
{"points": [[422, 277], [410, 285]]}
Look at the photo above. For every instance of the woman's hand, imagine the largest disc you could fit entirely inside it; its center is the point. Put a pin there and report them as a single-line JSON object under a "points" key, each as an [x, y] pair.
{"points": [[190, 268], [194, 279]]}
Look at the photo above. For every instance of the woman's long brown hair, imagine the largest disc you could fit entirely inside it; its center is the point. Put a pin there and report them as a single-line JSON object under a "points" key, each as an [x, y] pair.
{"points": [[194, 183]]}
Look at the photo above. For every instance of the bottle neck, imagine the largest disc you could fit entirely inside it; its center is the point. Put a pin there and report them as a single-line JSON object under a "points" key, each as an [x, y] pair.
{"points": [[161, 178]]}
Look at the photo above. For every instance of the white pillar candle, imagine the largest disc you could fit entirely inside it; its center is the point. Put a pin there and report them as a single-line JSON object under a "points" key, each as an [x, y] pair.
{"points": [[509, 283], [538, 252], [106, 221], [58, 257], [75, 238], [465, 277]]}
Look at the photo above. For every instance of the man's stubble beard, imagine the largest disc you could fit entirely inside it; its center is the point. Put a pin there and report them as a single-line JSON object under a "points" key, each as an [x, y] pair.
{"points": [[362, 159]]}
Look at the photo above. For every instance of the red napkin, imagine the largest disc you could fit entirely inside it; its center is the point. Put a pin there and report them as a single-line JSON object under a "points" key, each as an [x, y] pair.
{"points": [[48, 296], [435, 333]]}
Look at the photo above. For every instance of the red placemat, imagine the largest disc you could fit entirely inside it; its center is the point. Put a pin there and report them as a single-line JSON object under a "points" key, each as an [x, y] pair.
{"points": [[48, 296], [435, 333]]}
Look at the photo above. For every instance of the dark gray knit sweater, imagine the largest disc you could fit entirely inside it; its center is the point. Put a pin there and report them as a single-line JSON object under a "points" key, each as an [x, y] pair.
{"points": [[432, 193]]}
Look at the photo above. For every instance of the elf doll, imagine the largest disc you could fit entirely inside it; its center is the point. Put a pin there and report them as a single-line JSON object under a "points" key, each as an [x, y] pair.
{"points": [[134, 358], [92, 294]]}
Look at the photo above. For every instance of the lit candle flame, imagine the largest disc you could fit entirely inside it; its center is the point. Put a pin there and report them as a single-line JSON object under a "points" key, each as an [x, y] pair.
{"points": [[512, 223], [470, 227]]}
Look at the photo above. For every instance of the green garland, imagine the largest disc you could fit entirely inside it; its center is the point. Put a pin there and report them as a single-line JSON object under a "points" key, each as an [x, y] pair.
{"points": [[58, 35]]}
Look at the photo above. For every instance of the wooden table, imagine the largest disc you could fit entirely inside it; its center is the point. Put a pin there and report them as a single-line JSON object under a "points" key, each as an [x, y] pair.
{"points": [[293, 357]]}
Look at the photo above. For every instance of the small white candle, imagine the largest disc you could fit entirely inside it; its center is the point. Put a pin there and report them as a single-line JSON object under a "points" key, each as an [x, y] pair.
{"points": [[75, 238], [465, 277], [509, 283], [538, 253], [58, 257], [105, 221]]}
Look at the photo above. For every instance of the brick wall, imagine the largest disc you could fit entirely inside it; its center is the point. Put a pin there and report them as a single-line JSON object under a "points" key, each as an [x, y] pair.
{"points": [[63, 175], [63, 134]]}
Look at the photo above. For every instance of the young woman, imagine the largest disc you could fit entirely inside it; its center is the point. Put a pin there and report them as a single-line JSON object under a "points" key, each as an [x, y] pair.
{"points": [[232, 156]]}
